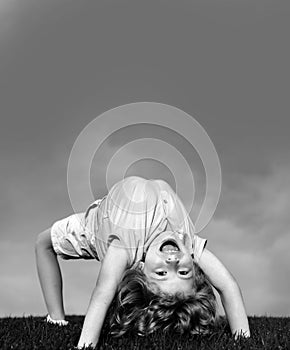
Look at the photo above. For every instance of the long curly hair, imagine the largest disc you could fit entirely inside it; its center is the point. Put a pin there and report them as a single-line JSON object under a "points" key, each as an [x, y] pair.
{"points": [[143, 308]]}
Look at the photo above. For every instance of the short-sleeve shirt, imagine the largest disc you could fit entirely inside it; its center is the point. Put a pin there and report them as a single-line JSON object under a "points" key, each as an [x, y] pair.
{"points": [[135, 212]]}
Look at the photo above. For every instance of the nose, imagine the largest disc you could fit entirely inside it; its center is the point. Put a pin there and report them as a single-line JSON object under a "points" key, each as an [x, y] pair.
{"points": [[172, 259]]}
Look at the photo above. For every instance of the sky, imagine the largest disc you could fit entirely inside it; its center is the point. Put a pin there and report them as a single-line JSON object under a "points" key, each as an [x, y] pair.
{"points": [[226, 63]]}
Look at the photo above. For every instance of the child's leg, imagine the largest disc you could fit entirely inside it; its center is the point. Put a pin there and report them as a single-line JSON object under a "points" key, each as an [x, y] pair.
{"points": [[49, 275]]}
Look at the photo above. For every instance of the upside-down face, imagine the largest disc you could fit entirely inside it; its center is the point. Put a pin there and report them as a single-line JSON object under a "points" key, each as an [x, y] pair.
{"points": [[169, 264]]}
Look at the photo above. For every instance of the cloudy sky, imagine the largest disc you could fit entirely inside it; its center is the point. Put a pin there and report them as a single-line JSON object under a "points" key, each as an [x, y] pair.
{"points": [[63, 63]]}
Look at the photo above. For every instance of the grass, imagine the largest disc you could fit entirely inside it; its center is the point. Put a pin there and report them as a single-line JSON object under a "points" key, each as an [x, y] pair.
{"points": [[33, 333]]}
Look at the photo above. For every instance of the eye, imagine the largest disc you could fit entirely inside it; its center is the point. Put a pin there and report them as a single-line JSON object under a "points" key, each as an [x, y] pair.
{"points": [[161, 273], [183, 272]]}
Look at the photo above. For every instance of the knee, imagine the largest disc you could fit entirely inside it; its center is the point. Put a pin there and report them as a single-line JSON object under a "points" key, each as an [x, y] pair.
{"points": [[43, 241]]}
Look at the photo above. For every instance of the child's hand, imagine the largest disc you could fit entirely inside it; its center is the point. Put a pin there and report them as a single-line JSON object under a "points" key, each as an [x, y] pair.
{"points": [[83, 347], [241, 334]]}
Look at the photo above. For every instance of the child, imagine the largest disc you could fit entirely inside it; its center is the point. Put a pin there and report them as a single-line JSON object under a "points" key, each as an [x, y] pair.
{"points": [[161, 271]]}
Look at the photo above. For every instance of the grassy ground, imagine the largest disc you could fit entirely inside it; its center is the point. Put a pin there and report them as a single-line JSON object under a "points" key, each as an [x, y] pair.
{"points": [[33, 333]]}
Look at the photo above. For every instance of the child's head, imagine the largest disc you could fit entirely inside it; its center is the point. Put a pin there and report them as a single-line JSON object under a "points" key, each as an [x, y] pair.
{"points": [[141, 306], [168, 264]]}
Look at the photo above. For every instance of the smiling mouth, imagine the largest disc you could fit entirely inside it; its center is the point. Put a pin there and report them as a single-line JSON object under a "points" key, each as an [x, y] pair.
{"points": [[169, 247]]}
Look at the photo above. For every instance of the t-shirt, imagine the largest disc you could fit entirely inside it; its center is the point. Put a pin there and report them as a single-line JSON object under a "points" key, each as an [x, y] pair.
{"points": [[135, 212]]}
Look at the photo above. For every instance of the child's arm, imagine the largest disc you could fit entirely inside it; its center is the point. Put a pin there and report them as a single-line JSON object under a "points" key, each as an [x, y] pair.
{"points": [[229, 291], [112, 269]]}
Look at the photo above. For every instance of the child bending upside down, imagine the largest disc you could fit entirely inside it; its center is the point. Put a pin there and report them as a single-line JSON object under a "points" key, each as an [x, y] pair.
{"points": [[153, 265]]}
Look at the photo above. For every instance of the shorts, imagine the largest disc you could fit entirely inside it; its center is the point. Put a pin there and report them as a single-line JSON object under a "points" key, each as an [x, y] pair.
{"points": [[71, 238]]}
